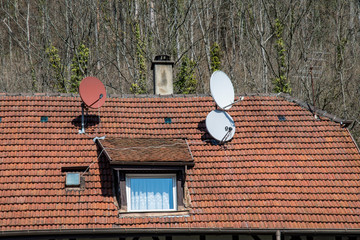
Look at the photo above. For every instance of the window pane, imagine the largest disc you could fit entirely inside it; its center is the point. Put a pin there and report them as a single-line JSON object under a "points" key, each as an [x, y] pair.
{"points": [[151, 193], [72, 179]]}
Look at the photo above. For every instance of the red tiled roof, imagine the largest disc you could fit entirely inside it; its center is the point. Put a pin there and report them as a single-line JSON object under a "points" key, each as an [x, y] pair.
{"points": [[300, 173], [146, 151]]}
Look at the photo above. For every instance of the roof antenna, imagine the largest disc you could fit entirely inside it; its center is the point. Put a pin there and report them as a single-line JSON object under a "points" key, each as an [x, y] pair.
{"points": [[313, 93], [93, 94]]}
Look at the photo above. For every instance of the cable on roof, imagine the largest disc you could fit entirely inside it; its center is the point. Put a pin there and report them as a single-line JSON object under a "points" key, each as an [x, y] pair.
{"points": [[192, 157], [94, 139], [92, 162]]}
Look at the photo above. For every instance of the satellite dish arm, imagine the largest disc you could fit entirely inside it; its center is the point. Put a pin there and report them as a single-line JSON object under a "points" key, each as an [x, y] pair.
{"points": [[240, 99], [226, 135], [100, 97]]}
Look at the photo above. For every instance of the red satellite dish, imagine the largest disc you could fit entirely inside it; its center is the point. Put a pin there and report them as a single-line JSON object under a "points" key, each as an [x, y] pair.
{"points": [[92, 92]]}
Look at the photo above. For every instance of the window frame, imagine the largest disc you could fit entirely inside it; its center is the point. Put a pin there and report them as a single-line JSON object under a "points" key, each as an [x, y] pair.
{"points": [[149, 175], [120, 172], [77, 170]]}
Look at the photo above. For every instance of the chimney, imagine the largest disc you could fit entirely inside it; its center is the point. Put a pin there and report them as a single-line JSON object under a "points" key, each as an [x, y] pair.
{"points": [[162, 68]]}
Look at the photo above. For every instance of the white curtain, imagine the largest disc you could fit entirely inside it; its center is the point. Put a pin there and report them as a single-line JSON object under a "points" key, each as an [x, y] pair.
{"points": [[148, 193]]}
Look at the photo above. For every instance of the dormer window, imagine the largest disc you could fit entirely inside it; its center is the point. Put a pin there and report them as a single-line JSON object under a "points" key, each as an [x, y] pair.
{"points": [[151, 192], [146, 189], [149, 174]]}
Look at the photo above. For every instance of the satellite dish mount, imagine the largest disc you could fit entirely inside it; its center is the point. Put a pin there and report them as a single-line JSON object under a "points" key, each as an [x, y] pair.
{"points": [[93, 94], [83, 107], [228, 132]]}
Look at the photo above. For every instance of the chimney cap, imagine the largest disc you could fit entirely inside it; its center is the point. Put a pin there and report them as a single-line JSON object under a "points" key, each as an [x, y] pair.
{"points": [[162, 59]]}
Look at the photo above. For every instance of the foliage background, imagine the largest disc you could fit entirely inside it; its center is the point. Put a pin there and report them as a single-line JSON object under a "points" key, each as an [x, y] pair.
{"points": [[263, 45]]}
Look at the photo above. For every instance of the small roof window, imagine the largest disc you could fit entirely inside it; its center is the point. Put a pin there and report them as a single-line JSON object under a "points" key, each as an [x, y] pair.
{"points": [[73, 179]]}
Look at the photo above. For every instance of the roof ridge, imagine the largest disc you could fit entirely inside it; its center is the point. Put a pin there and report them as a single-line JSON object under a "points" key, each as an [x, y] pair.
{"points": [[303, 104], [127, 95], [124, 95], [48, 94]]}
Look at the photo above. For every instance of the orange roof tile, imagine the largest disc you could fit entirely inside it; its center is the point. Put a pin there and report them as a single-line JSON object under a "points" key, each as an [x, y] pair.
{"points": [[146, 151], [298, 173]]}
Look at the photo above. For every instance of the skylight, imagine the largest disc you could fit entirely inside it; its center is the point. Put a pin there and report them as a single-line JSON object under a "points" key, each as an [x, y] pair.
{"points": [[72, 179]]}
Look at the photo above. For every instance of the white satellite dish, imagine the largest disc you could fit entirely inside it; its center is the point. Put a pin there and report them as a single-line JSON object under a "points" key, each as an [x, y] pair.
{"points": [[222, 90], [220, 125]]}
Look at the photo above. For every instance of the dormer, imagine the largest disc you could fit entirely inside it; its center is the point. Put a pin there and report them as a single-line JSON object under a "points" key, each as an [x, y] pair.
{"points": [[149, 174]]}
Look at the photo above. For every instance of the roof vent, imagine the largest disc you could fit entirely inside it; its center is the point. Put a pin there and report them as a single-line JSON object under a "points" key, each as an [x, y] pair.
{"points": [[281, 118], [167, 120], [44, 119]]}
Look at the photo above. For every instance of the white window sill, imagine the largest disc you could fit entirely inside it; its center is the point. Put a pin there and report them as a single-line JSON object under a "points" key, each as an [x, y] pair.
{"points": [[125, 214]]}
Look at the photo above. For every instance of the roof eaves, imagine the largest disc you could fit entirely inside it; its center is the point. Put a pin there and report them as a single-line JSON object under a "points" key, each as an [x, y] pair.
{"points": [[103, 150], [102, 231]]}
